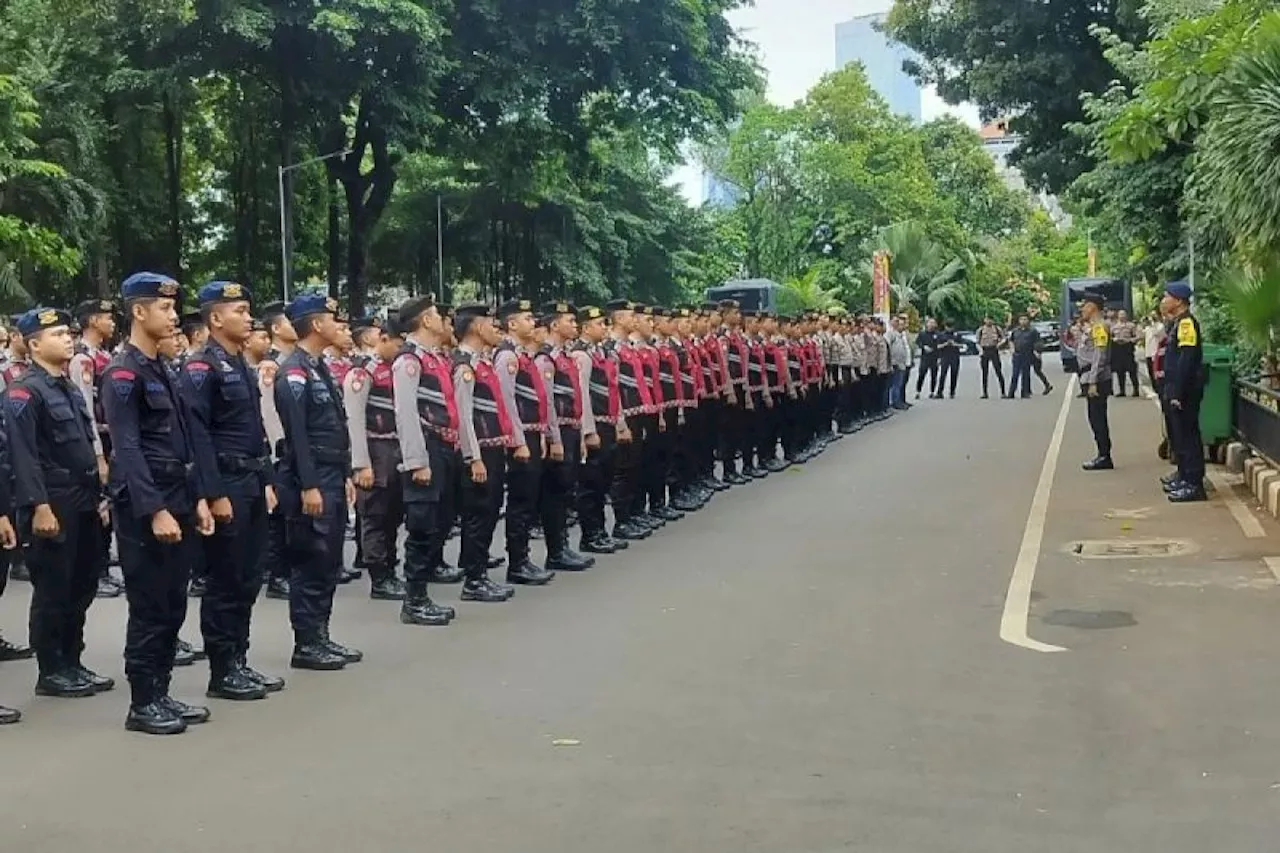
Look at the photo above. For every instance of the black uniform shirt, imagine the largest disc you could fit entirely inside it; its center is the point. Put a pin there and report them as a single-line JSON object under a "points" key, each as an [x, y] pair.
{"points": [[226, 425], [49, 429], [152, 453], [317, 449], [1184, 360]]}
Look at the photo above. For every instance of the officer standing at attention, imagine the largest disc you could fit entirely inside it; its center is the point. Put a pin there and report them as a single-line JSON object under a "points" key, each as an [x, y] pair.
{"points": [[1094, 354], [535, 436], [426, 421], [154, 502], [368, 390], [1124, 359], [234, 468], [571, 411], [1183, 390], [600, 371], [97, 328], [56, 499], [283, 340], [484, 434], [8, 542], [314, 482]]}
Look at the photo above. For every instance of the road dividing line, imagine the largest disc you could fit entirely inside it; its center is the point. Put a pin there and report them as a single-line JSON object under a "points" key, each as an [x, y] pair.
{"points": [[1249, 524], [1273, 564], [1017, 602]]}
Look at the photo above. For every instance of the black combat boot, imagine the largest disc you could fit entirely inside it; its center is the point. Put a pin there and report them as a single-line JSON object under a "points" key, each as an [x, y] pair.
{"points": [[227, 681], [192, 715], [9, 716], [100, 683], [270, 683], [525, 572], [565, 559], [310, 653], [387, 587], [484, 590], [147, 714], [278, 588], [447, 574], [348, 654], [595, 543], [64, 683], [419, 609], [14, 651]]}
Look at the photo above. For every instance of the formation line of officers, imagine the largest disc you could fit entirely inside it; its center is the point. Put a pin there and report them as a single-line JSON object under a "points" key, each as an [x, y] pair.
{"points": [[237, 461]]}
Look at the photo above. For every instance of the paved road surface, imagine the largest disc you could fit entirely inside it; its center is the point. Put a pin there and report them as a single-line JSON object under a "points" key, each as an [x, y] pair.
{"points": [[811, 664]]}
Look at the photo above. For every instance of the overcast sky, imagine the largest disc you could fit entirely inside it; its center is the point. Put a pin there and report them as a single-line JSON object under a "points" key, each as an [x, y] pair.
{"points": [[797, 44]]}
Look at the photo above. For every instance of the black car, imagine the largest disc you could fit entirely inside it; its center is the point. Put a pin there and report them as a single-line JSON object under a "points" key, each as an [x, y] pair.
{"points": [[1050, 339]]}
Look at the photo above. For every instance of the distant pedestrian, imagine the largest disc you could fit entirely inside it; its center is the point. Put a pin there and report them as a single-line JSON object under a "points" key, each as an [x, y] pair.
{"points": [[1124, 340], [1026, 342], [990, 339], [927, 344], [949, 347]]}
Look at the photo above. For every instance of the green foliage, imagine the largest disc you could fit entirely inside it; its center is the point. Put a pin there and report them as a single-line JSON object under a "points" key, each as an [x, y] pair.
{"points": [[806, 293], [1254, 297], [1026, 61]]}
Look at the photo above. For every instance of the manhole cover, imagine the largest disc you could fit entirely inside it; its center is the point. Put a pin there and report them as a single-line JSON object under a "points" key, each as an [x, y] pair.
{"points": [[1090, 620], [1129, 548]]}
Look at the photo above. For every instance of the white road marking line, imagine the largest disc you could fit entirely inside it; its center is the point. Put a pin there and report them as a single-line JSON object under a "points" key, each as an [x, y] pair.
{"points": [[1248, 522], [1017, 601], [1273, 563]]}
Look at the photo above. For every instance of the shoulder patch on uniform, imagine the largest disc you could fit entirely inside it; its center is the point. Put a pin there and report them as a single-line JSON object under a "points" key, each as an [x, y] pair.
{"points": [[122, 382], [412, 366], [1100, 335], [198, 371], [358, 378], [18, 399], [1187, 336], [512, 367], [548, 373], [468, 375]]}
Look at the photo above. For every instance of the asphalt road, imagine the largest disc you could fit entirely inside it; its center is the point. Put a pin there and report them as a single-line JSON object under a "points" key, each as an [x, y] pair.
{"points": [[811, 664]]}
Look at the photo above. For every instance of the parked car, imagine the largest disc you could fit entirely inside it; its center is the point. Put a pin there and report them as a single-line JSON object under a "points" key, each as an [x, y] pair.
{"points": [[970, 340], [1050, 341]]}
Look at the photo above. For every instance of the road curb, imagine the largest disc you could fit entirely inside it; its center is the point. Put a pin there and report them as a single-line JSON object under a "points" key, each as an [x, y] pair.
{"points": [[1236, 454], [1262, 479]]}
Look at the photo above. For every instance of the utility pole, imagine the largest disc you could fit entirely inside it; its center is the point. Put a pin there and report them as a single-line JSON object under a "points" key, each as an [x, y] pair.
{"points": [[285, 271]]}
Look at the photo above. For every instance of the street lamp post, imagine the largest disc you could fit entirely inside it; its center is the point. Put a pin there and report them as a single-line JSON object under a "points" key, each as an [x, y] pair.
{"points": [[284, 215]]}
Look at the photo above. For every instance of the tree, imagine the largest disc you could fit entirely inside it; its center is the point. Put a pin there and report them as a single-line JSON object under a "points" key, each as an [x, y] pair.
{"points": [[922, 273], [1028, 62], [974, 194]]}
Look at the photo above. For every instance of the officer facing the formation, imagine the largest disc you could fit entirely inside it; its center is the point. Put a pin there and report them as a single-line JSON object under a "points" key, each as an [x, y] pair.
{"points": [[233, 467], [426, 421], [1183, 390], [57, 502], [1094, 355], [155, 503], [314, 482]]}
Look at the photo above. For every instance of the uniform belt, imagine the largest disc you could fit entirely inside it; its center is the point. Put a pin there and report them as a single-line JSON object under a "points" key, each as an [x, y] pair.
{"points": [[382, 436], [330, 455], [64, 477], [170, 470], [234, 463]]}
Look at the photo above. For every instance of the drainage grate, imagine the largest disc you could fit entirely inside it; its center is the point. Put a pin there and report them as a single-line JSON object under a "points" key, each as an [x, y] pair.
{"points": [[1129, 548]]}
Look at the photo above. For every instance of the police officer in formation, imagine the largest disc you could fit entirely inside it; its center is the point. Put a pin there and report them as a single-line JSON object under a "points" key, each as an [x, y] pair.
{"points": [[248, 450], [1181, 393]]}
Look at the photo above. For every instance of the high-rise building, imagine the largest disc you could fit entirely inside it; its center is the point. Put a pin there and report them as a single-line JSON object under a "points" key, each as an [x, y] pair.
{"points": [[861, 40]]}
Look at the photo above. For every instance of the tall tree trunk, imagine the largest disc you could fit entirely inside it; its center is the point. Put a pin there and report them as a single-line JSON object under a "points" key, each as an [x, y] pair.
{"points": [[173, 180], [288, 109]]}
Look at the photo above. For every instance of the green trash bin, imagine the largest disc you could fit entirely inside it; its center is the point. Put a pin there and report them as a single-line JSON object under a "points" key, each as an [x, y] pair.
{"points": [[1217, 407]]}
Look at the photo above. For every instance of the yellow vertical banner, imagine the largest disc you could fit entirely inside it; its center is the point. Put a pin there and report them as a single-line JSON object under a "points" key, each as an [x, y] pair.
{"points": [[880, 282], [1093, 261]]}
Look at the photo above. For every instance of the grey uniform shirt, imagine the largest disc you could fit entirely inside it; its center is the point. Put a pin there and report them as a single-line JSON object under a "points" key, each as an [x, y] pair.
{"points": [[267, 370], [1094, 354], [545, 372], [899, 349], [464, 395], [583, 362], [355, 396], [507, 363], [405, 371]]}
